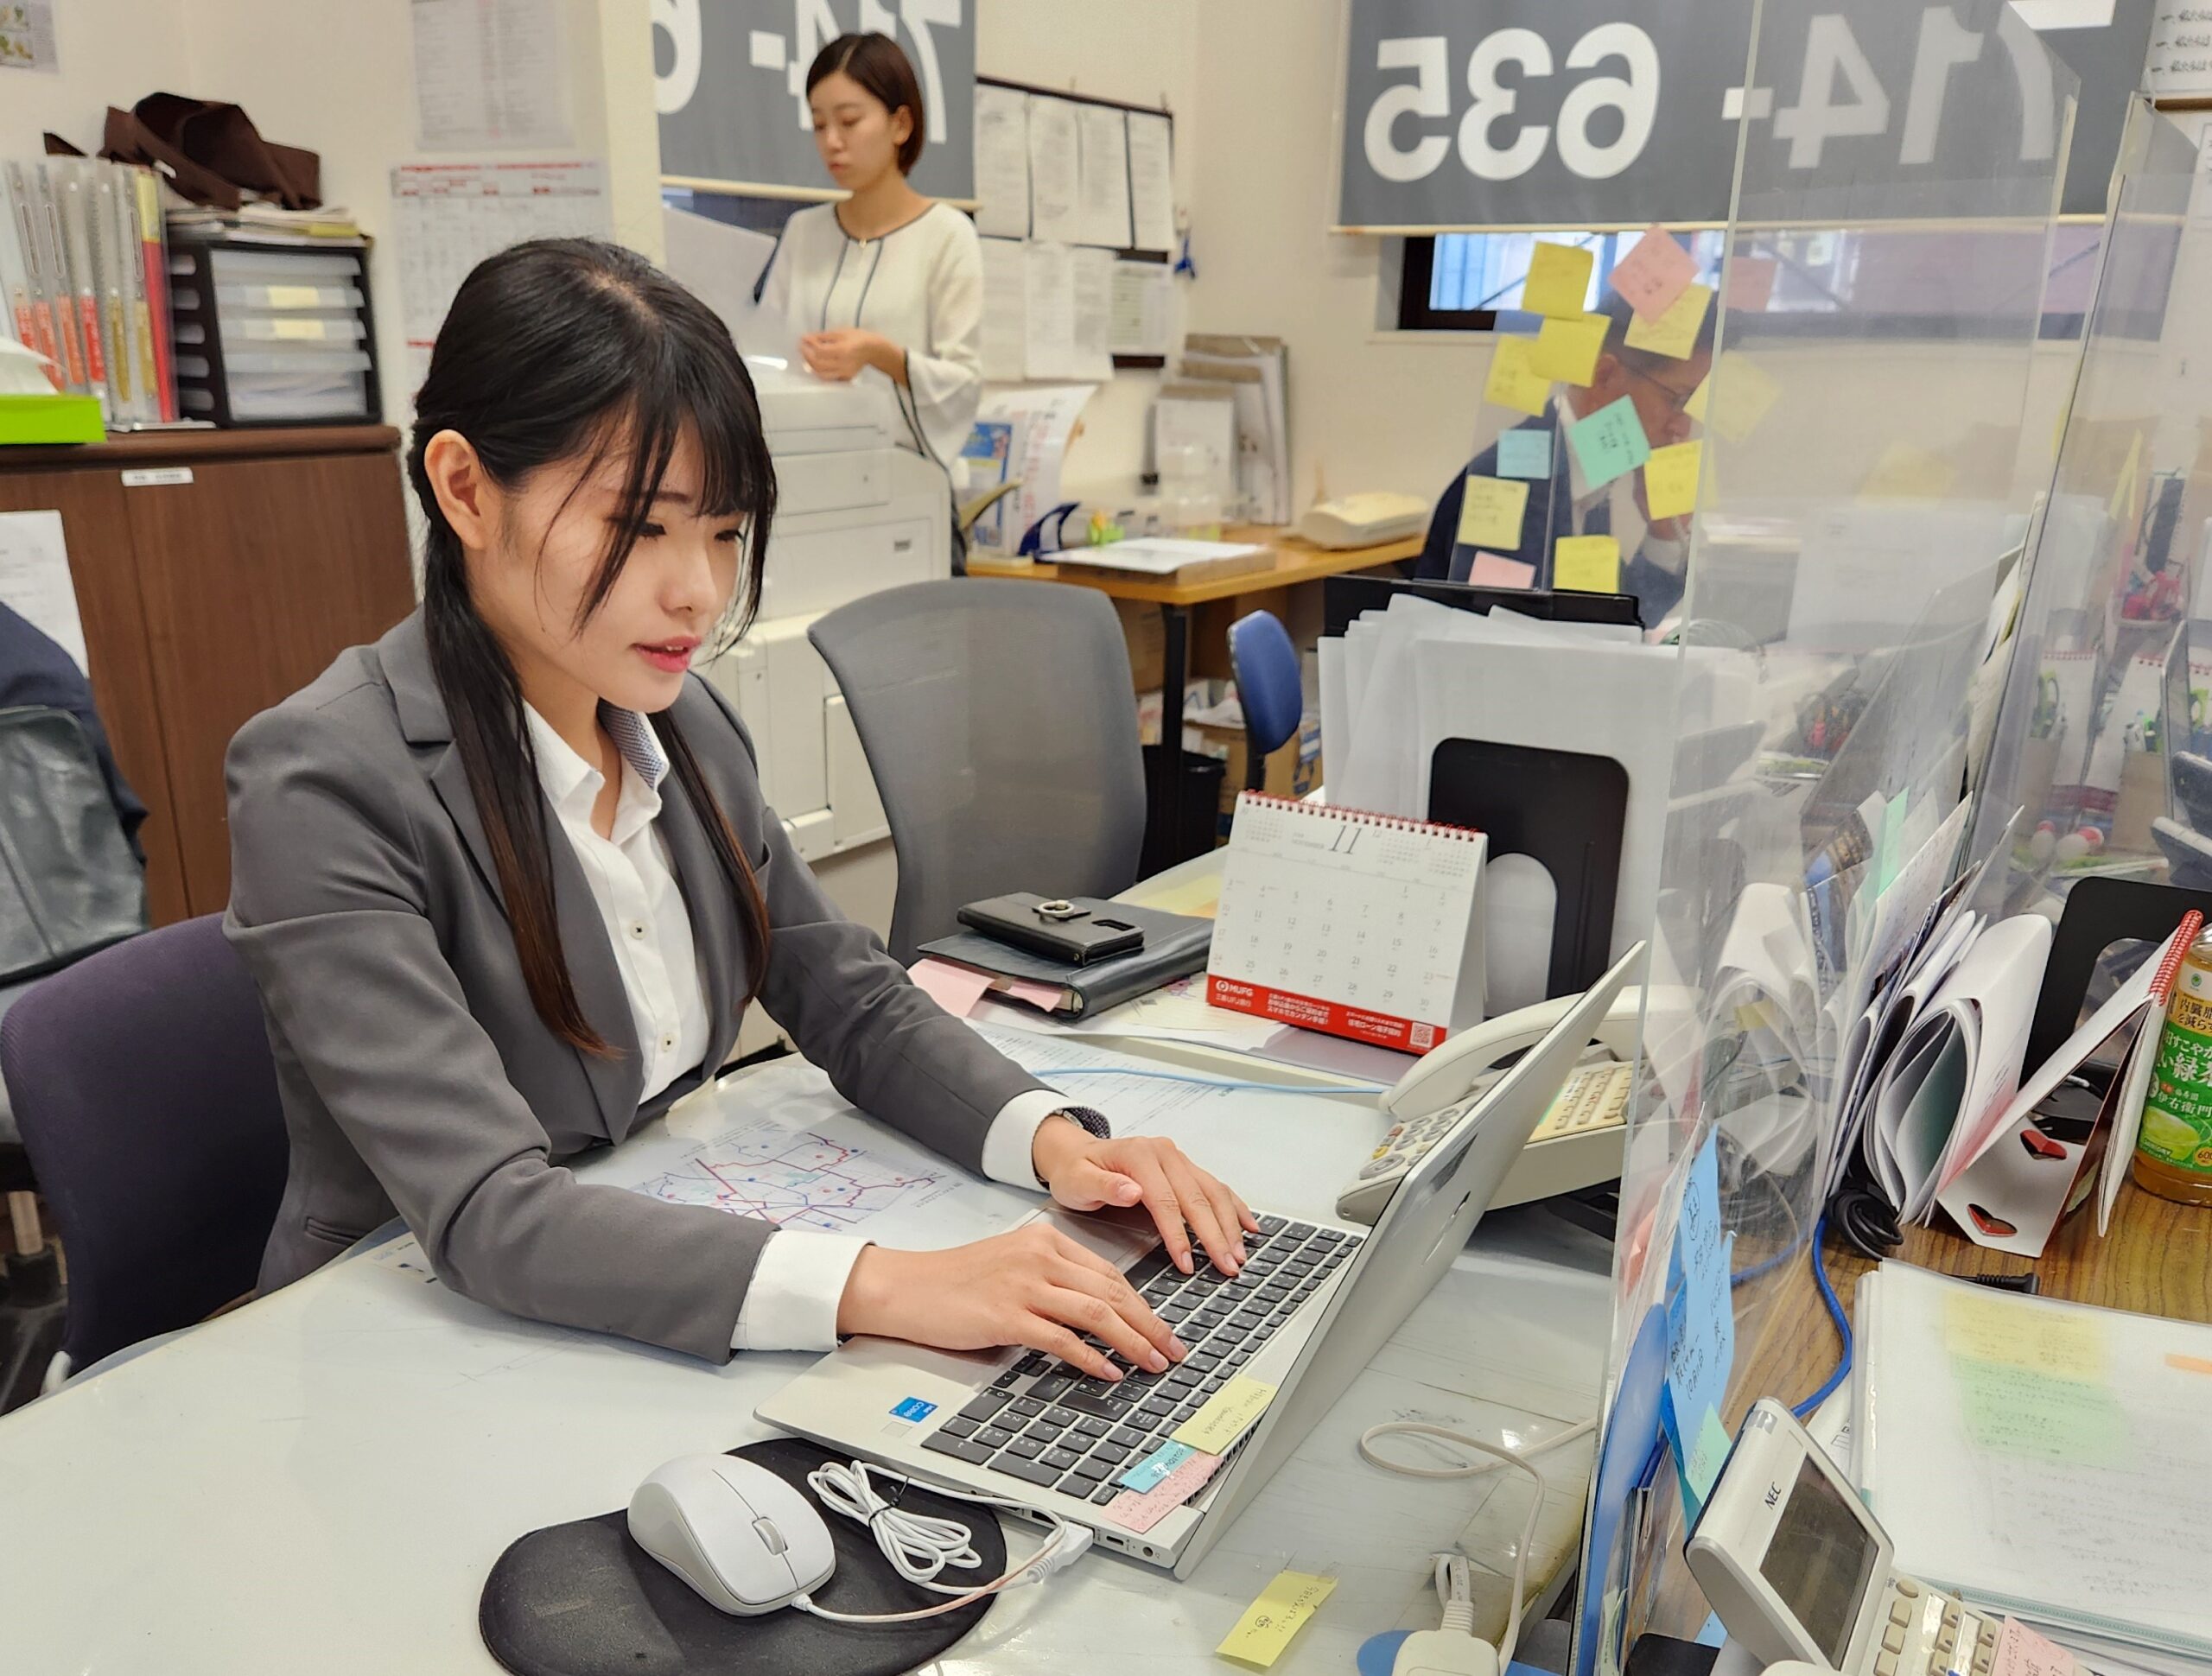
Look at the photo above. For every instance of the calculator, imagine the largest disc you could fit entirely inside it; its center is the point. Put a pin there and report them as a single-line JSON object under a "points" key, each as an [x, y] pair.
{"points": [[1799, 1571]]}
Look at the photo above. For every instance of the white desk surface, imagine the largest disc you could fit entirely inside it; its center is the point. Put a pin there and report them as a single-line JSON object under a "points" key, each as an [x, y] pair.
{"points": [[322, 1479]]}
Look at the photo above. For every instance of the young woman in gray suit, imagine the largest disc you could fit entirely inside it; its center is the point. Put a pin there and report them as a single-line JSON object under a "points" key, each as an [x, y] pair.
{"points": [[507, 884]]}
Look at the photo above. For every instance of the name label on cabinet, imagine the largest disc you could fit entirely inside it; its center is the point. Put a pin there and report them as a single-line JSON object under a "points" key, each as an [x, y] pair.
{"points": [[157, 477]]}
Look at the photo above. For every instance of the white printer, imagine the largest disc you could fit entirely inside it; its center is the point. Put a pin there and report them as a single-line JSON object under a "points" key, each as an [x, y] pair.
{"points": [[855, 513]]}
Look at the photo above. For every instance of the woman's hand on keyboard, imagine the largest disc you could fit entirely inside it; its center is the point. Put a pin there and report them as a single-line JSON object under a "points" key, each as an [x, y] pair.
{"points": [[1032, 1286], [1086, 1173]]}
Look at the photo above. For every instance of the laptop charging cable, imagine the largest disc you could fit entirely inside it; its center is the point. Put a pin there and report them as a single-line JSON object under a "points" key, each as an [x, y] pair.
{"points": [[921, 1546], [1454, 1649]]}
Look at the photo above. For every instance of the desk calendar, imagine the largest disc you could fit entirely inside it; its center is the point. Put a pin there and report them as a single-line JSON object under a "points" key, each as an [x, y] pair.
{"points": [[1360, 925]]}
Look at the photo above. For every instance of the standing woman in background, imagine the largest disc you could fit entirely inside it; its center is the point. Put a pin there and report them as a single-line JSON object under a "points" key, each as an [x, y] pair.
{"points": [[887, 284]]}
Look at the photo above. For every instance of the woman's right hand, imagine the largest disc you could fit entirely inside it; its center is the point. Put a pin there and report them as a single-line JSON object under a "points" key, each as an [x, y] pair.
{"points": [[1034, 1286]]}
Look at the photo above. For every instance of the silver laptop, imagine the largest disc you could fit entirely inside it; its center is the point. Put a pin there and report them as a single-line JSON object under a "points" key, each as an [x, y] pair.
{"points": [[1310, 1309]]}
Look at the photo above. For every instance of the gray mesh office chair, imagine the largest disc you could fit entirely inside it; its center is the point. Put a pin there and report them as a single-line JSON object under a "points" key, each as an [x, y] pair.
{"points": [[999, 720]]}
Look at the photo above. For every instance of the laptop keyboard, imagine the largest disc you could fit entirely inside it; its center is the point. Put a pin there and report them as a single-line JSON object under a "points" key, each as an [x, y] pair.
{"points": [[1048, 1424]]}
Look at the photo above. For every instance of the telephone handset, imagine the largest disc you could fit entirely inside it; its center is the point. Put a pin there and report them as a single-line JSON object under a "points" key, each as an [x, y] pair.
{"points": [[1577, 1144]]}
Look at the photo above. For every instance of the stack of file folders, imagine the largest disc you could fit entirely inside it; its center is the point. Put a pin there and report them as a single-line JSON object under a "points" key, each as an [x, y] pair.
{"points": [[85, 277]]}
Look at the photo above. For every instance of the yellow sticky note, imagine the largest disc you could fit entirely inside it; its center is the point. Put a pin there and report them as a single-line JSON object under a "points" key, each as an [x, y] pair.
{"points": [[1589, 564], [2062, 1343], [1226, 1413], [1566, 350], [1675, 332], [1491, 512], [1558, 282], [2123, 493], [1907, 473], [1670, 479], [1513, 383], [1744, 393], [294, 296], [298, 328], [1695, 406], [1279, 1613]]}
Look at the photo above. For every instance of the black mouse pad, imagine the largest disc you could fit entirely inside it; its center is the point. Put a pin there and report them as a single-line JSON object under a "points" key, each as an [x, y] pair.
{"points": [[584, 1600]]}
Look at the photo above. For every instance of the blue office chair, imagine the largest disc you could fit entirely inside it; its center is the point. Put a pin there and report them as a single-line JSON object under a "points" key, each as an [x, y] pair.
{"points": [[1266, 667]]}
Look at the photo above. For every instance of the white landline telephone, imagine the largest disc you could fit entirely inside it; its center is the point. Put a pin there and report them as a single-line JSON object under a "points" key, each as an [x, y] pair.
{"points": [[1577, 1144], [1364, 520]]}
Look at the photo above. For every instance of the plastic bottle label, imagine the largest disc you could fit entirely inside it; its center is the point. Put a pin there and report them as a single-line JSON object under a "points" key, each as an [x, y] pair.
{"points": [[2177, 1117]]}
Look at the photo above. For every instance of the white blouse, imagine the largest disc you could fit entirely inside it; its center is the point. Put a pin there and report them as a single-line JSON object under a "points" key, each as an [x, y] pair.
{"points": [[920, 285], [799, 1278]]}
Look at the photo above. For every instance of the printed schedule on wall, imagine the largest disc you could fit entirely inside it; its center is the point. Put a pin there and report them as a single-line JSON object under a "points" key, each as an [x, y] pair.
{"points": [[1360, 925]]}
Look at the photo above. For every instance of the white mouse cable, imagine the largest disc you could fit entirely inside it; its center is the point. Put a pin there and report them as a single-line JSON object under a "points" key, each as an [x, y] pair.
{"points": [[920, 1545], [1458, 1621]]}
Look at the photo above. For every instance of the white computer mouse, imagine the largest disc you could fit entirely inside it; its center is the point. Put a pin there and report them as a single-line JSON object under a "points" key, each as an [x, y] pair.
{"points": [[741, 1536]]}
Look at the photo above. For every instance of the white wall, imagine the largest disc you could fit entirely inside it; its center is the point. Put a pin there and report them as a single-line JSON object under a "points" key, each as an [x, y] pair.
{"points": [[114, 53], [1144, 52]]}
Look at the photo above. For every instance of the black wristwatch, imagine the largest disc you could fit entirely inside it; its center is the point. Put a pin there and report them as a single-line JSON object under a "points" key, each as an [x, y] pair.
{"points": [[1085, 1118]]}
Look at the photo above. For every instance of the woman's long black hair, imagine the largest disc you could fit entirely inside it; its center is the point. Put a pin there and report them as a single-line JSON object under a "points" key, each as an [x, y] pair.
{"points": [[569, 351]]}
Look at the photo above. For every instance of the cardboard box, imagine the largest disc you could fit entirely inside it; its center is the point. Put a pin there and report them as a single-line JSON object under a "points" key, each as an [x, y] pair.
{"points": [[1294, 769], [1147, 641]]}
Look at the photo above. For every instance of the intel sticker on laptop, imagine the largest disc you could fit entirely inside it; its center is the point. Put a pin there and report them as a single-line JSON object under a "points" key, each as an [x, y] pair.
{"points": [[914, 1409]]}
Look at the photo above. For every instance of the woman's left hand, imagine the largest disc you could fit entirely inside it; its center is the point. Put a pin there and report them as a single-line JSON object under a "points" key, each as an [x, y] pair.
{"points": [[840, 356], [1086, 1173]]}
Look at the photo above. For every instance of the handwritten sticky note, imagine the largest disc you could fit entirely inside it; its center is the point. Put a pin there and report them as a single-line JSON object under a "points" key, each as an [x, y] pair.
{"points": [[1566, 350], [1670, 478], [1751, 283], [957, 989], [1227, 1414], [1699, 1453], [1513, 383], [1989, 1327], [1653, 274], [1491, 570], [1147, 1474], [1743, 396], [2022, 1652], [2010, 1410], [1525, 452], [1908, 473], [1139, 1510], [1701, 1315], [1695, 406], [1270, 1622], [1588, 564], [1675, 332], [1558, 282], [1888, 848], [1490, 511], [1609, 443]]}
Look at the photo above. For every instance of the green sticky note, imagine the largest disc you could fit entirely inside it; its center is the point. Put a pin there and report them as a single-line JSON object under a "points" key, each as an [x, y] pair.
{"points": [[1708, 1454], [2010, 1411], [1525, 454], [1889, 849], [1609, 443]]}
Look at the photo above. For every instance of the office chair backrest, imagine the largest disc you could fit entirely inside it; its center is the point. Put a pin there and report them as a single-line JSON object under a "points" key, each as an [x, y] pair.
{"points": [[143, 1083], [1265, 664], [68, 882], [1000, 723]]}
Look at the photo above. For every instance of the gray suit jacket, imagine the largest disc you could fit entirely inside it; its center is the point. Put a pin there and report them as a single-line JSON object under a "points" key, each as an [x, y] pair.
{"points": [[417, 1077]]}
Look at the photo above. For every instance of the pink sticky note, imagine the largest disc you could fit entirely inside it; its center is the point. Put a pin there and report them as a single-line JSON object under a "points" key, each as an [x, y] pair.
{"points": [[1655, 273], [1489, 570], [1138, 1513], [956, 989], [1044, 995], [1751, 283], [2022, 1652]]}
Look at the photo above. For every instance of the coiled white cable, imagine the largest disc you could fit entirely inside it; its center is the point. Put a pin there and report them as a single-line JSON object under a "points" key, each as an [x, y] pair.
{"points": [[1501, 1456], [920, 1545]]}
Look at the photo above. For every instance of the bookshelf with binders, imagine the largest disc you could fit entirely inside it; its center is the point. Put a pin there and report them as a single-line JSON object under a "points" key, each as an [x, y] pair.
{"points": [[83, 276]]}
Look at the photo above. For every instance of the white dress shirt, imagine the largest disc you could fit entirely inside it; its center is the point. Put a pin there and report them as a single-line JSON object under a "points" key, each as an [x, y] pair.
{"points": [[920, 285], [800, 1277]]}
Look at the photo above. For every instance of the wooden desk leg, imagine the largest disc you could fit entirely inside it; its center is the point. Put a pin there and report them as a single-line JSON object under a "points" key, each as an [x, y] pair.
{"points": [[1175, 665]]}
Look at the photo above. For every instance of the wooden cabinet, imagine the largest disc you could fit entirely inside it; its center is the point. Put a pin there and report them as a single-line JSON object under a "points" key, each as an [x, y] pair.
{"points": [[217, 572]]}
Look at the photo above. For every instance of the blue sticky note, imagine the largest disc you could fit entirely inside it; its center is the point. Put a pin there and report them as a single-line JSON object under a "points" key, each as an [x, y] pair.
{"points": [[1149, 1472], [913, 1408], [1609, 443], [1700, 1315], [1525, 452]]}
